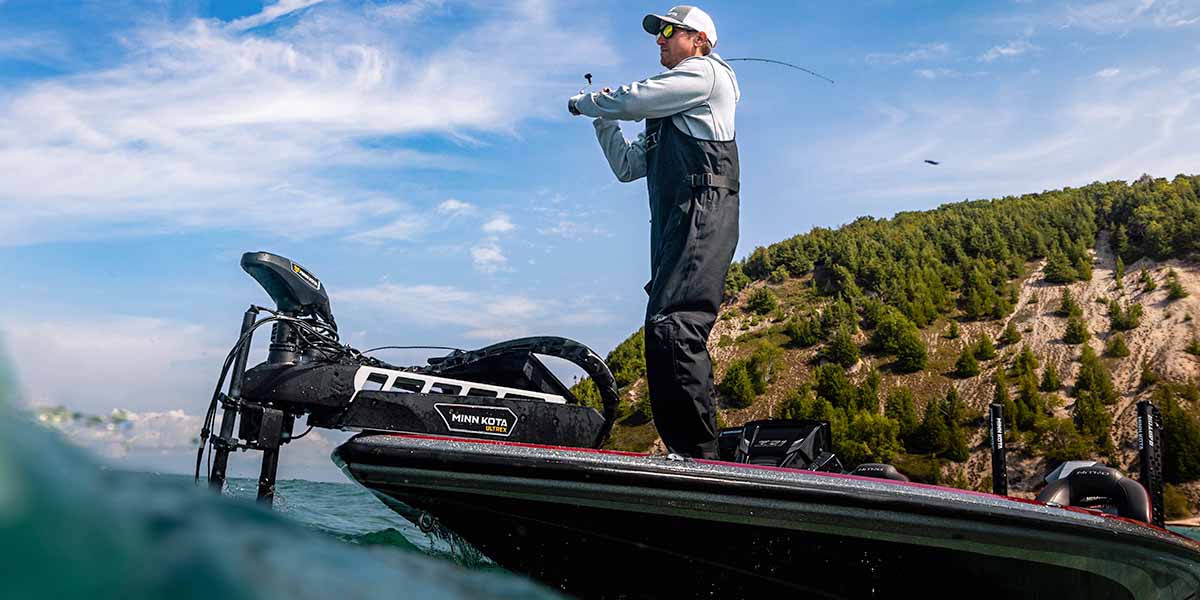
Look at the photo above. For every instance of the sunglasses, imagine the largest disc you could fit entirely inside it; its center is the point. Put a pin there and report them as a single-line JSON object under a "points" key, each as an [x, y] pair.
{"points": [[669, 29]]}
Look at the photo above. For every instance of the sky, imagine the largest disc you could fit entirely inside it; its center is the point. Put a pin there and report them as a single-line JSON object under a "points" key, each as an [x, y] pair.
{"points": [[418, 157]]}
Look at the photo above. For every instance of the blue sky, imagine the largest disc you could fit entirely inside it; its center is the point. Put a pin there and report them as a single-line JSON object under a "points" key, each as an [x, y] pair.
{"points": [[418, 157]]}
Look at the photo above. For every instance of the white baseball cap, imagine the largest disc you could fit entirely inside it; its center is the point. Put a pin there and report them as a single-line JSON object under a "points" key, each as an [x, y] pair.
{"points": [[686, 16]]}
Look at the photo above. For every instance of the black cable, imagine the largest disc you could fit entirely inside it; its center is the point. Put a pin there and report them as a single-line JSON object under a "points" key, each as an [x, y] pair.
{"points": [[412, 348], [780, 62], [296, 437]]}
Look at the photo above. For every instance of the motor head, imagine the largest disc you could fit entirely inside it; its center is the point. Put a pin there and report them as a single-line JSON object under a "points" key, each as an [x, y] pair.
{"points": [[294, 290]]}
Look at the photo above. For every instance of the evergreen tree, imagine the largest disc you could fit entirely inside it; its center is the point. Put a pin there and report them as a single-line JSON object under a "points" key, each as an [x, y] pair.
{"points": [[831, 383], [1119, 275], [956, 439], [1175, 289], [1092, 420], [952, 333], [1193, 347], [802, 332], [1058, 267], [900, 406], [911, 354], [1147, 282], [1077, 332], [1148, 376], [933, 435], [1067, 306], [1050, 381], [736, 387], [984, 349], [1031, 407], [1083, 265], [1026, 363], [735, 280], [1124, 318], [1116, 346], [762, 365], [868, 393], [1181, 433], [841, 349], [762, 301], [1010, 335], [1094, 377], [967, 366]]}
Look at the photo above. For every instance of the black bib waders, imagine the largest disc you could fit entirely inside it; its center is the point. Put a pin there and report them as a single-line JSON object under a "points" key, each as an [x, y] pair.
{"points": [[693, 186]]}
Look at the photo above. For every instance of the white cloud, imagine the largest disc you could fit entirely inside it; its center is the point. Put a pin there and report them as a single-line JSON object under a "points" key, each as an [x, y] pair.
{"points": [[1108, 73], [271, 12], [479, 315], [205, 127], [1022, 140], [572, 230], [112, 361], [407, 11], [1013, 48], [452, 207], [498, 224], [924, 52], [488, 257], [1120, 16], [475, 314]]}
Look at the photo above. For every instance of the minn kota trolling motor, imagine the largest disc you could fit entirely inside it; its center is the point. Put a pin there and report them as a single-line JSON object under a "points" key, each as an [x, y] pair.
{"points": [[501, 392]]}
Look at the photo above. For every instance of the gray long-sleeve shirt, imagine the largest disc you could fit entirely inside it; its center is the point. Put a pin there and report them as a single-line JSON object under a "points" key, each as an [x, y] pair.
{"points": [[700, 95]]}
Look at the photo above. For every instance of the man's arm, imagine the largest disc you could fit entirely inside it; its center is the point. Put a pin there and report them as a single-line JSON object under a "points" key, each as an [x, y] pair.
{"points": [[688, 85], [628, 160]]}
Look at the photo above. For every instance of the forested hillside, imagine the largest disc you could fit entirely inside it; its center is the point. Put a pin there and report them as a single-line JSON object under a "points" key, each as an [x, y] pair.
{"points": [[1066, 306]]}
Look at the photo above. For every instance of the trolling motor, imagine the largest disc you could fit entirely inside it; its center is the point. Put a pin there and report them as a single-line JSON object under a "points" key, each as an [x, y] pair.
{"points": [[500, 392], [297, 294]]}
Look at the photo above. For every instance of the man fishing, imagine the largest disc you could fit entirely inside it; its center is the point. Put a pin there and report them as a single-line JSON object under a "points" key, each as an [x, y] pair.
{"points": [[689, 158]]}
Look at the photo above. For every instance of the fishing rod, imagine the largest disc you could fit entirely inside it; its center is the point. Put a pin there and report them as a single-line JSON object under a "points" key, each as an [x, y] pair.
{"points": [[780, 62]]}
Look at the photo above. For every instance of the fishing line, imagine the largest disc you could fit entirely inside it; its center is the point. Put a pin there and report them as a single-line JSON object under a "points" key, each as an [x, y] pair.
{"points": [[780, 62]]}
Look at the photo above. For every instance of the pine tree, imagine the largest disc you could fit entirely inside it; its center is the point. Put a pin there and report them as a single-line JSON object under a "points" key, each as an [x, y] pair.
{"points": [[736, 387], [1010, 335], [1175, 289], [911, 354], [1026, 363], [1092, 419], [1147, 282], [1181, 430], [762, 301], [830, 382], [1094, 377], [956, 439], [1050, 381], [1116, 346], [841, 349], [1148, 377], [967, 366], [952, 333], [1077, 332], [1067, 306], [900, 406], [1031, 407], [984, 349], [802, 332], [1119, 276], [1058, 267]]}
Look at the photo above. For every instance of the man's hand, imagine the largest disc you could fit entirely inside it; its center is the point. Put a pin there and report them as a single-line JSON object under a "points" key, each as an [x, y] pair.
{"points": [[571, 105]]}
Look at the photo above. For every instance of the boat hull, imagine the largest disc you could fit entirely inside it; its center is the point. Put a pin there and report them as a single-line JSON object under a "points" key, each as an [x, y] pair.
{"points": [[612, 525]]}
